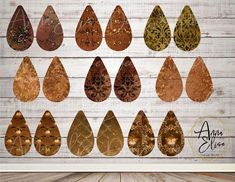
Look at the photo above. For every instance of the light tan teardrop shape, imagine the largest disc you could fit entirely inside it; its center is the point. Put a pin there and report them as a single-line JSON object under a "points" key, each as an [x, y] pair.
{"points": [[18, 139], [56, 82], [47, 139], [170, 136], [80, 138], [169, 84], [26, 84], [110, 138], [199, 84], [141, 137]]}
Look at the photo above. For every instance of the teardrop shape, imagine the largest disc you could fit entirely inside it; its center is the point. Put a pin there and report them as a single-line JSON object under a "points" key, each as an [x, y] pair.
{"points": [[127, 84], [199, 86], [56, 82], [187, 33], [80, 138], [110, 138], [141, 137], [49, 33], [47, 139], [97, 85], [88, 33], [157, 34], [18, 139], [26, 84], [169, 84], [20, 31], [118, 33], [170, 137]]}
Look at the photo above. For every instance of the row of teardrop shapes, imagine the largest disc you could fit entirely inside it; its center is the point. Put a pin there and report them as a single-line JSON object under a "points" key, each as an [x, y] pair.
{"points": [[80, 139], [118, 34]]}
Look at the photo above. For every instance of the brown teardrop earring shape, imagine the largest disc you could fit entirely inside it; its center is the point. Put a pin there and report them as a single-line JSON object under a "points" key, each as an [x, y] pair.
{"points": [[49, 33], [88, 33], [47, 139], [199, 86], [127, 84], [118, 33], [20, 31], [56, 82], [18, 139]]}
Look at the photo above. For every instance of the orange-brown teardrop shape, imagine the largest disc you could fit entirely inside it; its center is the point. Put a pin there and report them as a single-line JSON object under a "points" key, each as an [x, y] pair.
{"points": [[20, 31], [49, 33], [26, 84], [118, 33], [127, 84], [141, 137], [169, 84], [170, 136], [88, 33], [18, 139], [47, 139], [56, 82], [97, 85], [199, 84]]}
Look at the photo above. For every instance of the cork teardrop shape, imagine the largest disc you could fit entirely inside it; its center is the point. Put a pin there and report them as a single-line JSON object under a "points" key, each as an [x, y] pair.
{"points": [[199, 86], [49, 33], [157, 34], [141, 137], [118, 34], [88, 33], [80, 138], [110, 138], [127, 85], [26, 84], [97, 84], [20, 31], [47, 139], [187, 33], [18, 139], [56, 82], [169, 84], [170, 137]]}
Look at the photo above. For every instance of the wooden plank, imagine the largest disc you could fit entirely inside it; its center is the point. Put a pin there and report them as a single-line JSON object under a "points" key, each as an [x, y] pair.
{"points": [[114, 177], [92, 177]]}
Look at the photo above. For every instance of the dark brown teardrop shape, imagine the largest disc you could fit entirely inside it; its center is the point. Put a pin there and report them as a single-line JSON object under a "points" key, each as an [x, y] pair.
{"points": [[127, 84], [20, 31], [110, 138], [88, 33], [18, 139], [26, 84], [118, 33], [170, 136], [56, 82], [199, 86], [49, 33], [80, 138], [97, 85], [47, 139], [169, 84], [141, 137]]}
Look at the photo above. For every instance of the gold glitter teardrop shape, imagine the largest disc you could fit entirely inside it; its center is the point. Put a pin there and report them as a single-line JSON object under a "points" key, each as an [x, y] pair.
{"points": [[80, 139], [169, 84], [18, 139], [157, 34], [141, 137], [47, 139], [170, 137], [56, 82], [110, 138], [187, 33], [118, 33], [199, 86], [26, 84]]}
